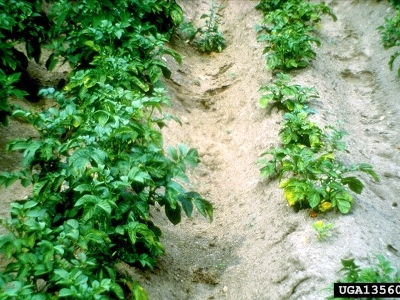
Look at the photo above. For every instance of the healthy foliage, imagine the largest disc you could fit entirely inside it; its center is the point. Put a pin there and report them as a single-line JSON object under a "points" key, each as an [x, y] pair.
{"points": [[99, 164], [286, 97], [135, 25], [288, 28]]}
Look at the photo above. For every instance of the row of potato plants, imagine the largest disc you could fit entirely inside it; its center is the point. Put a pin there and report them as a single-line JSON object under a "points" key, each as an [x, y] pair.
{"points": [[306, 163], [383, 270], [99, 164]]}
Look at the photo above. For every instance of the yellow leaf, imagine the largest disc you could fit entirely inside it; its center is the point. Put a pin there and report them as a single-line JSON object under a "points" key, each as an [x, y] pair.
{"points": [[328, 156], [284, 183], [290, 196], [319, 223], [325, 206]]}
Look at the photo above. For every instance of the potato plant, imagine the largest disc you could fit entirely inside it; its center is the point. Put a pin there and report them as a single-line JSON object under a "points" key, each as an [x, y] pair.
{"points": [[288, 28], [99, 164], [286, 97], [306, 164]]}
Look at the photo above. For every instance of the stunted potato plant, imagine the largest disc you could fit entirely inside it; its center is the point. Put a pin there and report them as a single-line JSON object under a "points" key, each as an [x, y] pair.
{"points": [[306, 164], [322, 229]]}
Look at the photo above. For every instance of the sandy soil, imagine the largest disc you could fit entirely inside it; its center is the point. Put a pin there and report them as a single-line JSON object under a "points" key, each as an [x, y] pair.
{"points": [[258, 247]]}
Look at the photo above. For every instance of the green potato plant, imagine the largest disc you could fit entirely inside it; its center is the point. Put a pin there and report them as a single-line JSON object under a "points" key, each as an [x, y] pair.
{"points": [[135, 26], [288, 28], [289, 48], [306, 164], [286, 97], [298, 129]]}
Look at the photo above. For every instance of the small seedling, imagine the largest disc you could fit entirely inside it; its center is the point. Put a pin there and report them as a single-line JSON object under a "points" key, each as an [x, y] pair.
{"points": [[323, 229]]}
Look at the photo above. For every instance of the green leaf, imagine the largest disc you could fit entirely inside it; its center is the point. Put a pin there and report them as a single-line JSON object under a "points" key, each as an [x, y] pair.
{"points": [[97, 236], [127, 133], [132, 232], [38, 187], [30, 204], [268, 169], [64, 292], [172, 192], [313, 198], [145, 87], [30, 152], [85, 187], [154, 73], [102, 117], [192, 157], [93, 46], [173, 215], [343, 201], [353, 183], [203, 206], [264, 100], [174, 54], [104, 205], [80, 159], [139, 292], [173, 153], [87, 199], [367, 168], [118, 291], [367, 275], [187, 204], [51, 62]]}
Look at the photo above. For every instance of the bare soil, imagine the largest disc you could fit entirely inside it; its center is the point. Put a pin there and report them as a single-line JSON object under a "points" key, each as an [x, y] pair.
{"points": [[258, 247]]}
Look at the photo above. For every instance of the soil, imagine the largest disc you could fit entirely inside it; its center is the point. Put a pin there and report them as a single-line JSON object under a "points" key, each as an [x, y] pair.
{"points": [[258, 247]]}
